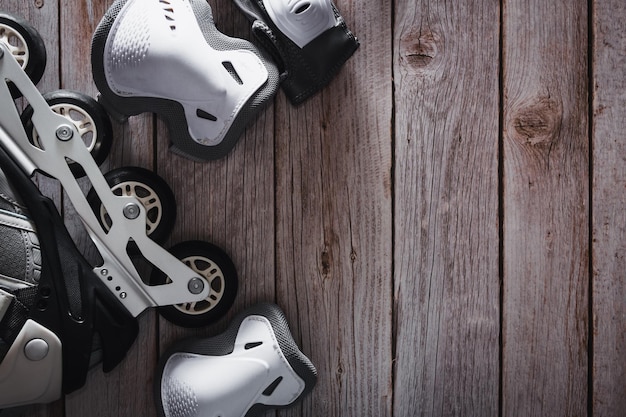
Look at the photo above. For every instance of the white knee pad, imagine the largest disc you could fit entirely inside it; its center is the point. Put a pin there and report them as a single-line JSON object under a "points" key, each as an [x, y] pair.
{"points": [[167, 57], [253, 366]]}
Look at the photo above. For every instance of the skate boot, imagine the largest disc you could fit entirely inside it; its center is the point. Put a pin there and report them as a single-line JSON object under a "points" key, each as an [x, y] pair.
{"points": [[20, 259], [53, 316], [255, 365], [167, 57]]}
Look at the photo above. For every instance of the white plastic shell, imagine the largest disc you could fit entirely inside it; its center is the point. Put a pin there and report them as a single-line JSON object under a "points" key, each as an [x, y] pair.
{"points": [[157, 49], [256, 372], [26, 381], [301, 20]]}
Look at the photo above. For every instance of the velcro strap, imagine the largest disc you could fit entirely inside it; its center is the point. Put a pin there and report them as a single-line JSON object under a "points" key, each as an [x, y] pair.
{"points": [[5, 302], [15, 316]]}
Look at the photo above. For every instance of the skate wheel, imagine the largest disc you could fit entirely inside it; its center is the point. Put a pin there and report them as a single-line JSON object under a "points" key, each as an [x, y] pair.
{"points": [[217, 268], [25, 45], [86, 114], [150, 189]]}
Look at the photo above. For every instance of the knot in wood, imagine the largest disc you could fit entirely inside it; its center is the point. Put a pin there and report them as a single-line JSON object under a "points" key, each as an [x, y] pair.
{"points": [[325, 261], [536, 122], [418, 48]]}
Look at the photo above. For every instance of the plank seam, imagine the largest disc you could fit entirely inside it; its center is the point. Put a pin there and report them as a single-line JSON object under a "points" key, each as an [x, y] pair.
{"points": [[392, 186], [501, 207], [590, 122]]}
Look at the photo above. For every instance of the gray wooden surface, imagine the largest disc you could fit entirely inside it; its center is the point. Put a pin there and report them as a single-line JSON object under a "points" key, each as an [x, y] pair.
{"points": [[444, 225]]}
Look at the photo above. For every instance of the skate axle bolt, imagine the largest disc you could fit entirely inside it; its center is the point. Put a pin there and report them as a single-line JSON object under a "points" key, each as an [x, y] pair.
{"points": [[64, 133], [122, 295], [131, 211], [104, 272], [195, 285]]}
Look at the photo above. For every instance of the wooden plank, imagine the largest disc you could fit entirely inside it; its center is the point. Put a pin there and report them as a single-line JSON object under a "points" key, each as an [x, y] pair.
{"points": [[132, 145], [127, 389], [446, 209], [228, 202], [43, 17], [546, 208], [333, 246], [609, 200], [133, 141]]}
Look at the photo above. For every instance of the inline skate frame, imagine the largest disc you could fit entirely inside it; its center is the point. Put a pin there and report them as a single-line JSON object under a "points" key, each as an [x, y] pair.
{"points": [[50, 340]]}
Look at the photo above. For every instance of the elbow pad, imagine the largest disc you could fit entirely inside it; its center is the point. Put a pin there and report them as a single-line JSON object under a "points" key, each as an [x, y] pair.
{"points": [[168, 58], [308, 38], [253, 366]]}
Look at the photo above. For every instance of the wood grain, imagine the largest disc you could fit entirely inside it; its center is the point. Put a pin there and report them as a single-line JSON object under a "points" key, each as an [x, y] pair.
{"points": [[446, 209], [228, 202], [43, 17], [426, 222], [107, 394], [609, 202], [333, 244], [546, 209]]}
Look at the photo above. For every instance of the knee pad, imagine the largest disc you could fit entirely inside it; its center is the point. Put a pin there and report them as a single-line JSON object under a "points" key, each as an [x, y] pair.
{"points": [[168, 57], [253, 366], [308, 38]]}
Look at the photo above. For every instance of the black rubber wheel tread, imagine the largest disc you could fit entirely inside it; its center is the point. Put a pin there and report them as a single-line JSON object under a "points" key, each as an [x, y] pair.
{"points": [[103, 128], [137, 174], [231, 283], [35, 45]]}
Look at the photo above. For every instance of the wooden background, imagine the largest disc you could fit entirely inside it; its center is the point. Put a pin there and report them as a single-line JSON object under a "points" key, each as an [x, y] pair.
{"points": [[444, 225]]}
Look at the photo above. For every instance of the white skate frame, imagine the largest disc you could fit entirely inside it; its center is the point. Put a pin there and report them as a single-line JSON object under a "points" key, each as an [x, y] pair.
{"points": [[117, 271]]}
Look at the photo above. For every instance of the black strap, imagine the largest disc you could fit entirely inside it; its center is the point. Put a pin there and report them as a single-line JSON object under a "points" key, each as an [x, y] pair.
{"points": [[15, 317]]}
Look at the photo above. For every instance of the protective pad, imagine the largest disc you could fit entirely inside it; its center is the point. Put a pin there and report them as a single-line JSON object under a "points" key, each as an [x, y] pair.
{"points": [[301, 20], [253, 366], [308, 38], [167, 57]]}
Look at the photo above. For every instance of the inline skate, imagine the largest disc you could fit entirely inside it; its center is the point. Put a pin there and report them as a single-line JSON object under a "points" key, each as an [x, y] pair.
{"points": [[58, 313]]}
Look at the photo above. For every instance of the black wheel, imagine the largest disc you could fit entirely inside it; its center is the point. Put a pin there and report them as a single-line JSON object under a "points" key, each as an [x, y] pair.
{"points": [[86, 114], [213, 264], [26, 46], [153, 193]]}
